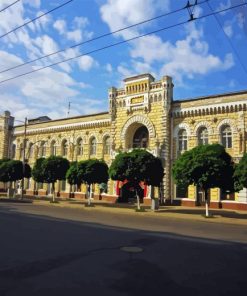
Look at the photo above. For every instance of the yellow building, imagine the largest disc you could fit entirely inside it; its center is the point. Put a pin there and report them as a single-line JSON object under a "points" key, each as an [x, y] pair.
{"points": [[142, 114]]}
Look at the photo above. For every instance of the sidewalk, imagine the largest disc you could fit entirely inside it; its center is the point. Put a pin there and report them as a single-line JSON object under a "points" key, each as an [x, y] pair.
{"points": [[173, 212]]}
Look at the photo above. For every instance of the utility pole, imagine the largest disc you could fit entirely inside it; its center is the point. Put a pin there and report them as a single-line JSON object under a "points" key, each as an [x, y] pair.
{"points": [[68, 110], [24, 157]]}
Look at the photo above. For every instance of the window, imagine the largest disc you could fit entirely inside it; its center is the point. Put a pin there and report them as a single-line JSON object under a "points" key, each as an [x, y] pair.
{"points": [[181, 191], [226, 136], [203, 136], [64, 148], [182, 140], [107, 145], [79, 150], [21, 151], [13, 151], [42, 149], [140, 139], [53, 148], [93, 146], [30, 150]]}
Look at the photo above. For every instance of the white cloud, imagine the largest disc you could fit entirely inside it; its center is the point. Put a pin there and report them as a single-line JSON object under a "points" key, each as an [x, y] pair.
{"points": [[39, 93], [118, 14], [46, 44], [60, 26], [109, 68], [86, 63], [75, 35]]}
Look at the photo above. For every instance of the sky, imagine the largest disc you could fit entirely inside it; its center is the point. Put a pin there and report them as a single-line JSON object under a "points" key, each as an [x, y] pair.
{"points": [[197, 55]]}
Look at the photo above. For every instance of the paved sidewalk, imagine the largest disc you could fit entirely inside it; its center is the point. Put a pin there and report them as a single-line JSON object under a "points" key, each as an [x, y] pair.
{"points": [[173, 212]]}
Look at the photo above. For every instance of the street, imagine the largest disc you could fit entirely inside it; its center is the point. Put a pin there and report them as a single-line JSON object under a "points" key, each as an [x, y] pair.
{"points": [[52, 250]]}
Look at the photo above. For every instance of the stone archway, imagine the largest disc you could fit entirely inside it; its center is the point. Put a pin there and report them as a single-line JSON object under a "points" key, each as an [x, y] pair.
{"points": [[137, 132]]}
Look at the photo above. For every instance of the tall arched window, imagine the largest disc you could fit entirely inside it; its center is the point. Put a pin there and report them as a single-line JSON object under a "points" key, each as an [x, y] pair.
{"points": [[64, 148], [13, 151], [53, 148], [42, 149], [107, 145], [93, 146], [182, 140], [203, 136], [30, 150], [79, 147], [140, 139], [21, 151], [226, 136]]}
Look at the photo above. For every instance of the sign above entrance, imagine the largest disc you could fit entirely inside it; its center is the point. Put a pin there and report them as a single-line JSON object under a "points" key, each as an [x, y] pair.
{"points": [[137, 100]]}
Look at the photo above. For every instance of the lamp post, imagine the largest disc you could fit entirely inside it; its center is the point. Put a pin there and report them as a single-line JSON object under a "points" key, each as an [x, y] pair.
{"points": [[24, 160], [24, 155]]}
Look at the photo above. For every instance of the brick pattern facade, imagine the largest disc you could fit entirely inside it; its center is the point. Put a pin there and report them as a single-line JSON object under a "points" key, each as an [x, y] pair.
{"points": [[142, 102]]}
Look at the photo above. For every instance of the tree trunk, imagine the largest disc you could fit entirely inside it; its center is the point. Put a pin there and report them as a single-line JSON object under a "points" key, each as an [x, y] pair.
{"points": [[138, 201], [206, 201], [90, 194], [53, 192]]}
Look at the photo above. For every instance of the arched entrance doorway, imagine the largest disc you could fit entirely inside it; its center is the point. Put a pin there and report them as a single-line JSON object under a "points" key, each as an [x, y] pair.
{"points": [[140, 138], [128, 191]]}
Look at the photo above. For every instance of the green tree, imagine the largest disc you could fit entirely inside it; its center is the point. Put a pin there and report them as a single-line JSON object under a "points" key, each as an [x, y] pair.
{"points": [[72, 175], [136, 166], [11, 171], [94, 172], [240, 174], [206, 166], [54, 168], [37, 171]]}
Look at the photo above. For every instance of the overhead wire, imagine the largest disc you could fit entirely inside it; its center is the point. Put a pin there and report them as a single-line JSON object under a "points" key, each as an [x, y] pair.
{"points": [[119, 43], [35, 19], [97, 38], [6, 7], [229, 39]]}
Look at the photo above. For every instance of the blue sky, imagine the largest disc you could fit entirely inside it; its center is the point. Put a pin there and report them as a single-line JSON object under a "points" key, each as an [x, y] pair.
{"points": [[197, 55]]}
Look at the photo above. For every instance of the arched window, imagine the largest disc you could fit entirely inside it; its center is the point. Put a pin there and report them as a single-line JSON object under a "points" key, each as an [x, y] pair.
{"points": [[226, 136], [21, 151], [140, 139], [93, 146], [107, 145], [53, 148], [182, 140], [30, 150], [79, 147], [203, 136], [13, 151], [42, 149], [64, 147]]}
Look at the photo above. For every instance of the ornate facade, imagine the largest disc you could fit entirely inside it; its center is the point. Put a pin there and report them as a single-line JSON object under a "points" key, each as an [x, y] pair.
{"points": [[142, 114]]}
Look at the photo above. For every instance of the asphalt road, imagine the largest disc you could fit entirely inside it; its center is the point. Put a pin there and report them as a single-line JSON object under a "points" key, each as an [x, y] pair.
{"points": [[49, 250]]}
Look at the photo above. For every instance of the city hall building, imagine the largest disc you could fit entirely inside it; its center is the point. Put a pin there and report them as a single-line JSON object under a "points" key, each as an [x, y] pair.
{"points": [[143, 114]]}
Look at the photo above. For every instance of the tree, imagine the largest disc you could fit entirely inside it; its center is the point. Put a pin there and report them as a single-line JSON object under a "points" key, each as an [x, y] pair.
{"points": [[37, 171], [94, 172], [136, 166], [54, 168], [11, 171], [206, 166], [240, 174], [72, 174]]}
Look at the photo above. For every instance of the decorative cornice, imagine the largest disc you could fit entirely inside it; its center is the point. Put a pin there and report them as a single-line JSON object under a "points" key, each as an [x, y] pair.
{"points": [[56, 128]]}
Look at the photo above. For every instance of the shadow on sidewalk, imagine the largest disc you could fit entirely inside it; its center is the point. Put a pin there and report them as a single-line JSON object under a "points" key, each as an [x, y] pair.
{"points": [[221, 213]]}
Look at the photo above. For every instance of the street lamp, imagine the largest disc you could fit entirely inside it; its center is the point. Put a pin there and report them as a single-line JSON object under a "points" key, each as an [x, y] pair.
{"points": [[24, 154]]}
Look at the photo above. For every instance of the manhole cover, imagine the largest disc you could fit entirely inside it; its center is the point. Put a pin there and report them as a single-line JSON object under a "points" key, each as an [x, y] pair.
{"points": [[131, 249]]}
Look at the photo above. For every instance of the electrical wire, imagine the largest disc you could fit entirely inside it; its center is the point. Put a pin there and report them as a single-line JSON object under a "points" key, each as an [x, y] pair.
{"points": [[121, 42], [229, 40], [9, 5], [97, 38], [35, 19]]}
